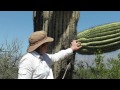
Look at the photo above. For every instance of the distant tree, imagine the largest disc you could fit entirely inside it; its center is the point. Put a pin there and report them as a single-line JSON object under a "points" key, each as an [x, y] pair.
{"points": [[10, 54]]}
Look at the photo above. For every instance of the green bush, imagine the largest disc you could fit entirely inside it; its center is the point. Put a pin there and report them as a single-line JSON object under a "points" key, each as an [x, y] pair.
{"points": [[109, 70]]}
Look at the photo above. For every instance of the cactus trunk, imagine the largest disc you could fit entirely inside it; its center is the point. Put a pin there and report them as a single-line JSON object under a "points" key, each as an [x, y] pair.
{"points": [[61, 25]]}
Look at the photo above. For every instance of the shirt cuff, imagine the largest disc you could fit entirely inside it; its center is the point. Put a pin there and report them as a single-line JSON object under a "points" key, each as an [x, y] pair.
{"points": [[69, 50]]}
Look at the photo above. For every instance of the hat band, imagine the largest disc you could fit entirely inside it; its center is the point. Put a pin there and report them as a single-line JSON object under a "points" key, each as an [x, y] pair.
{"points": [[31, 44]]}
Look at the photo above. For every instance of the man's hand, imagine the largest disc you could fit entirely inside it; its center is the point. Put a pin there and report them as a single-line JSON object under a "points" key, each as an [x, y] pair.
{"points": [[75, 45]]}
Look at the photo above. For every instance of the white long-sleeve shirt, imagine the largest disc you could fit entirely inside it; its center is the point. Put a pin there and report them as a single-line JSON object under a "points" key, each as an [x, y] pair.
{"points": [[34, 66]]}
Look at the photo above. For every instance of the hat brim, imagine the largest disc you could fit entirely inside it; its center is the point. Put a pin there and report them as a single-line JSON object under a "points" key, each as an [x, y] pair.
{"points": [[34, 47]]}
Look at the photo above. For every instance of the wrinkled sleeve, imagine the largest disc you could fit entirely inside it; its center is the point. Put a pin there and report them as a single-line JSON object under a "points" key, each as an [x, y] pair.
{"points": [[25, 69], [60, 55]]}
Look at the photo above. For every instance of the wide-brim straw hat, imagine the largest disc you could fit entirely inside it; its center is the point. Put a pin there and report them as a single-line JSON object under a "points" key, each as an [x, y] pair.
{"points": [[38, 38]]}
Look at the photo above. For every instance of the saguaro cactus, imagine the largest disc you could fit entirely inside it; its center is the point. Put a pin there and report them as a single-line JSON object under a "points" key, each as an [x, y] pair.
{"points": [[61, 25], [105, 37]]}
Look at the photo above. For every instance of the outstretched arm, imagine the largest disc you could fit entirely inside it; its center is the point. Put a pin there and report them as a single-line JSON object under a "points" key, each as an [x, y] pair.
{"points": [[65, 53]]}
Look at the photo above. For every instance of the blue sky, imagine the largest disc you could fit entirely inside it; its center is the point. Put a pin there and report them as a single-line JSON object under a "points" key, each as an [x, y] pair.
{"points": [[19, 24], [93, 18], [16, 24]]}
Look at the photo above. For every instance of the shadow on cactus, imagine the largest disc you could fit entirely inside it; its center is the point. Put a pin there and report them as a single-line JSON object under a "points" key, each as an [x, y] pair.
{"points": [[105, 37]]}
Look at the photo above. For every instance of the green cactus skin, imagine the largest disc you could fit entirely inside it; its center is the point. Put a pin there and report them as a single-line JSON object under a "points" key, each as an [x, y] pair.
{"points": [[106, 41], [99, 29]]}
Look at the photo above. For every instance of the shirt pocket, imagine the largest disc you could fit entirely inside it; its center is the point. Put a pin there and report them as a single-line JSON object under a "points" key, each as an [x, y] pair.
{"points": [[41, 72]]}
